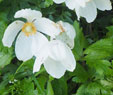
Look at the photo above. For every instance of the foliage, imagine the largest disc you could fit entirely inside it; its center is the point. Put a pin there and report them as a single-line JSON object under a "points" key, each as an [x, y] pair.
{"points": [[93, 52]]}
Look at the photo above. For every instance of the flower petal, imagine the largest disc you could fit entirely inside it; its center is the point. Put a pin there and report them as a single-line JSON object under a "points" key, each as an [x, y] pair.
{"points": [[41, 56], [23, 47], [47, 26], [82, 3], [89, 11], [37, 65], [62, 53], [28, 14], [67, 36], [70, 4], [69, 62], [58, 1], [103, 4], [70, 31], [39, 40], [54, 68], [57, 50], [11, 32], [64, 38], [56, 57]]}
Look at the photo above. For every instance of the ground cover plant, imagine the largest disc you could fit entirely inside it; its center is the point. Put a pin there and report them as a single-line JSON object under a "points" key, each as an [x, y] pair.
{"points": [[72, 53]]}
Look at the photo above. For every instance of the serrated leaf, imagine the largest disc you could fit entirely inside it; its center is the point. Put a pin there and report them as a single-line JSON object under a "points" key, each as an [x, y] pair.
{"points": [[92, 88], [100, 66], [107, 83], [80, 41], [102, 49], [81, 75]]}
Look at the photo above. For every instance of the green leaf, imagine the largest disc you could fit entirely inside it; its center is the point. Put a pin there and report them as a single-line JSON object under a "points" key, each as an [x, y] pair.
{"points": [[100, 66], [1, 0], [81, 75], [107, 83], [80, 41], [24, 87], [49, 89], [25, 65], [5, 59], [42, 80], [39, 85], [93, 88], [4, 83], [59, 86], [110, 33], [102, 49], [6, 55], [48, 3]]}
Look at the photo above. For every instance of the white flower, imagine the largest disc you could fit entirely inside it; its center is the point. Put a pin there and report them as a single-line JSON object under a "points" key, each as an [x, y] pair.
{"points": [[57, 57], [28, 39], [87, 8], [66, 33]]}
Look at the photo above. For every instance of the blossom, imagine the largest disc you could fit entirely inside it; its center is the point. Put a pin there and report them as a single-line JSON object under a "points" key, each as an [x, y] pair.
{"points": [[28, 34], [56, 54], [66, 33], [87, 8], [56, 57], [61, 31]]}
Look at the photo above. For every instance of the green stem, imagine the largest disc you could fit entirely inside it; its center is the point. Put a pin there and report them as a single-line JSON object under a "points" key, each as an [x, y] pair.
{"points": [[38, 85], [39, 72]]}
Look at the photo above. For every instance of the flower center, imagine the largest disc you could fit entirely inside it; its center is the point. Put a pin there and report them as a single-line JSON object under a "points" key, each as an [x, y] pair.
{"points": [[29, 29]]}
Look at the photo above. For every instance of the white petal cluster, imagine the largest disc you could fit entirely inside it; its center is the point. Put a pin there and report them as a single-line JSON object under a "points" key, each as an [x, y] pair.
{"points": [[30, 39], [86, 8], [56, 55], [23, 44]]}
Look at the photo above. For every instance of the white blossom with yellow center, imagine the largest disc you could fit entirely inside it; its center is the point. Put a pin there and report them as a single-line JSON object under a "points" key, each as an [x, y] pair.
{"points": [[29, 39], [56, 54], [87, 8], [29, 29]]}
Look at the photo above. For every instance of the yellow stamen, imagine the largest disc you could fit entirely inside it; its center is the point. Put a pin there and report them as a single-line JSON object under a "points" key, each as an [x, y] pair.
{"points": [[29, 29], [58, 25], [61, 28]]}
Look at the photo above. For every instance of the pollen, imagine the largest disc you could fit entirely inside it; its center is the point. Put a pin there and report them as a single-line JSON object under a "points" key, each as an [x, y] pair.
{"points": [[29, 29]]}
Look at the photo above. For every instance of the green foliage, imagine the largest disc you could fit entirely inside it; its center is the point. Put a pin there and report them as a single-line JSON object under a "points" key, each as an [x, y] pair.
{"points": [[102, 49], [25, 87], [60, 86], [5, 58], [93, 52], [93, 88], [78, 72], [6, 55], [49, 87], [48, 2], [80, 41]]}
